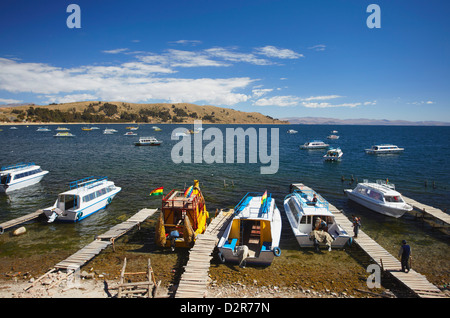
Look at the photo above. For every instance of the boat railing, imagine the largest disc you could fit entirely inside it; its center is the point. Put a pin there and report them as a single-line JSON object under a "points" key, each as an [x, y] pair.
{"points": [[306, 196], [88, 182], [176, 199], [246, 199], [18, 166]]}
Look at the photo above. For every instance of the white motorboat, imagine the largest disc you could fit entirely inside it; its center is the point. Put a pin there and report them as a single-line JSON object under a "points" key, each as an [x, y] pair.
{"points": [[314, 144], [148, 141], [130, 133], [333, 137], [256, 228], [84, 197], [333, 154], [43, 129], [19, 176], [292, 131], [384, 149], [64, 134], [109, 131], [380, 197], [62, 129], [303, 209]]}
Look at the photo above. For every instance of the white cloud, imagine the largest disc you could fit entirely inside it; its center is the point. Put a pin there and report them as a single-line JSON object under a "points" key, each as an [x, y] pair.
{"points": [[261, 91], [232, 56], [328, 105], [272, 51], [325, 97], [318, 47], [282, 101], [9, 101], [187, 42], [115, 51]]}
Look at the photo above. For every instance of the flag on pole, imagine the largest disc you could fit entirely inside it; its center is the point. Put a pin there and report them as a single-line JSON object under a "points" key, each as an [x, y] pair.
{"points": [[157, 191], [264, 198], [188, 192]]}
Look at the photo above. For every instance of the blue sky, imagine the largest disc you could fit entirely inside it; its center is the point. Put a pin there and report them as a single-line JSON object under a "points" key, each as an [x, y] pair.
{"points": [[281, 58]]}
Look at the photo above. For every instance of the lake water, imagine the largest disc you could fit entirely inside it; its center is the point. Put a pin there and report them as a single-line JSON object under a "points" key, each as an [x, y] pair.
{"points": [[421, 172]]}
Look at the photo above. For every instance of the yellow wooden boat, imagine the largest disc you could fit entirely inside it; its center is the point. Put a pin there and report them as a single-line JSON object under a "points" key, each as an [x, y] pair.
{"points": [[183, 217]]}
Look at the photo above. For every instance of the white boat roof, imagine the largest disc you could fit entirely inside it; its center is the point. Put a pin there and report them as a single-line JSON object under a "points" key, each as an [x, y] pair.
{"points": [[383, 188], [250, 208], [320, 208], [90, 185], [18, 167]]}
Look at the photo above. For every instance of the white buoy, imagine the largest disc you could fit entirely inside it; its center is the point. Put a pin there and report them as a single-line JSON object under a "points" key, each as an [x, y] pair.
{"points": [[19, 231]]}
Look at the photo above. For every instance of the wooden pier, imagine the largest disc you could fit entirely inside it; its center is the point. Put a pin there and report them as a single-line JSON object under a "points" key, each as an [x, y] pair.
{"points": [[424, 209], [75, 261], [414, 281], [19, 220], [194, 280]]}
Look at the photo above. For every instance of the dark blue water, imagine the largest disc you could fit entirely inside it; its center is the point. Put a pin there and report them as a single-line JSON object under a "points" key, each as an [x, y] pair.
{"points": [[138, 170]]}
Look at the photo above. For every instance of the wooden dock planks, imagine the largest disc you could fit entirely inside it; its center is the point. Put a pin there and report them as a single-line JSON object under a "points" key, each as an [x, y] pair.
{"points": [[19, 220], [412, 280], [436, 213], [194, 280]]}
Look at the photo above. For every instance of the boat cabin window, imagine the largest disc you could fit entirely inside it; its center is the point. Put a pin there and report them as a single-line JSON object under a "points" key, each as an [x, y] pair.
{"points": [[306, 219], [5, 179], [394, 198], [27, 173]]}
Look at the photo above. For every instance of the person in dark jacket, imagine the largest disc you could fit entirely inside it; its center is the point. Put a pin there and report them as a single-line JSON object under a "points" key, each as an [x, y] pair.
{"points": [[405, 254]]}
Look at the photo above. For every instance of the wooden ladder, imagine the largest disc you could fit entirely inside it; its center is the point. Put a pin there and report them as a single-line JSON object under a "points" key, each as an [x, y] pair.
{"points": [[137, 289]]}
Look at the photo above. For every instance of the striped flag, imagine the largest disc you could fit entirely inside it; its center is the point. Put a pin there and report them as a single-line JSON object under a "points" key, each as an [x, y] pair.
{"points": [[264, 198], [157, 191], [188, 192]]}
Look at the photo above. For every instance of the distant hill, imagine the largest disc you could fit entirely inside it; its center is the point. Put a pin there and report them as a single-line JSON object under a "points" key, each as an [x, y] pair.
{"points": [[360, 121], [117, 112]]}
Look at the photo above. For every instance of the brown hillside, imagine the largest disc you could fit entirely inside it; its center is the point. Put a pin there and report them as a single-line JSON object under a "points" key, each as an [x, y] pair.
{"points": [[95, 111]]}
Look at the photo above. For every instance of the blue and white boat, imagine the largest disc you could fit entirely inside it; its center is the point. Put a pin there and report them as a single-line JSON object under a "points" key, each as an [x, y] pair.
{"points": [[256, 226], [19, 176], [305, 209], [84, 197]]}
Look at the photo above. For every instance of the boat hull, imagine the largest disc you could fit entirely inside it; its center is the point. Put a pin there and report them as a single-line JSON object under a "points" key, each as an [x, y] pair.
{"points": [[395, 212], [80, 214], [22, 183]]}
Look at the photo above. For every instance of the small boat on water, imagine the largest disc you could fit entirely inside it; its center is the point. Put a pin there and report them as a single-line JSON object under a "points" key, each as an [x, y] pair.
{"points": [[19, 176], [64, 134], [333, 154], [314, 144], [86, 128], [130, 133], [132, 128], [156, 128], [310, 218], [384, 149], [84, 197], [255, 229], [62, 129], [148, 141], [292, 131], [183, 217], [109, 131], [380, 197], [333, 137], [43, 129]]}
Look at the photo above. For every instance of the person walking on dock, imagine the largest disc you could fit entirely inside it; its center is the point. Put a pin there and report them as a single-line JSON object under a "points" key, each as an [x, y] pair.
{"points": [[405, 254], [356, 225]]}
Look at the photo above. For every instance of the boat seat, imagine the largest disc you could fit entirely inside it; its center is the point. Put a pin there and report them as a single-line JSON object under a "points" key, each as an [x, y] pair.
{"points": [[231, 245], [266, 246]]}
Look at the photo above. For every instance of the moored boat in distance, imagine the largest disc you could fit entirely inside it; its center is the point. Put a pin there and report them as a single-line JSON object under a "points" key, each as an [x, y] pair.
{"points": [[310, 218], [333, 137], [43, 129], [253, 235], [183, 217], [292, 131], [62, 129], [109, 131], [148, 141], [64, 134], [19, 176], [84, 197], [314, 144], [384, 149], [333, 154], [130, 133], [380, 197]]}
